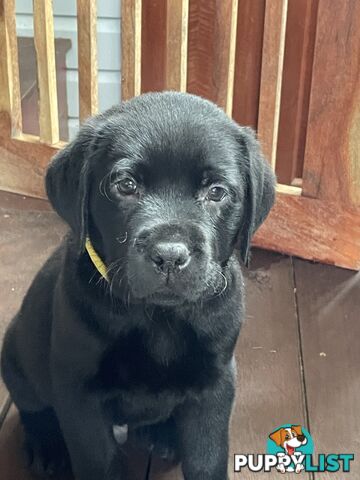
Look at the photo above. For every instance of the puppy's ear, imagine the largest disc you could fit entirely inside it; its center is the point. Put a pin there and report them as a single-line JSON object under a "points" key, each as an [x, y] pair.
{"points": [[260, 184], [277, 437], [67, 180], [297, 429]]}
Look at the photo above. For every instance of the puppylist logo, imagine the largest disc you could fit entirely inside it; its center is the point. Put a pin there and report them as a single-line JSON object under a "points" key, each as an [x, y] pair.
{"points": [[290, 448]]}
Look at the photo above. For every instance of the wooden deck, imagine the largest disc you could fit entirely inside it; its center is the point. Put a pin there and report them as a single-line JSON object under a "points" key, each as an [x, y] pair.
{"points": [[298, 354]]}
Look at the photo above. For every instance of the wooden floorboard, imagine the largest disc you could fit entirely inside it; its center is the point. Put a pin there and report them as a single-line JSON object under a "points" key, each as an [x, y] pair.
{"points": [[28, 234], [269, 391], [13, 463], [161, 471], [329, 312]]}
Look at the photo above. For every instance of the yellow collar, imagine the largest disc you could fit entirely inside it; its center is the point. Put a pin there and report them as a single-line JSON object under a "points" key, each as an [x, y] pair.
{"points": [[98, 263]]}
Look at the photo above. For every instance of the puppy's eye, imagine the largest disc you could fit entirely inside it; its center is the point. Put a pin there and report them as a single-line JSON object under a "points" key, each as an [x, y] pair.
{"points": [[215, 194], [126, 186]]}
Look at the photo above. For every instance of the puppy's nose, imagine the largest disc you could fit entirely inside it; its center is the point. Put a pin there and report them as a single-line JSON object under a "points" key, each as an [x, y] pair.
{"points": [[170, 256], [301, 438]]}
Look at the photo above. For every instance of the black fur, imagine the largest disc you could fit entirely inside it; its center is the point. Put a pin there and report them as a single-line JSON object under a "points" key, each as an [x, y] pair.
{"points": [[45, 448], [164, 185]]}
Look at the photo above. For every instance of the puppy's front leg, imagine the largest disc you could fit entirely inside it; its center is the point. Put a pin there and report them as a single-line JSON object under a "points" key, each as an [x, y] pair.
{"points": [[203, 429], [89, 437]]}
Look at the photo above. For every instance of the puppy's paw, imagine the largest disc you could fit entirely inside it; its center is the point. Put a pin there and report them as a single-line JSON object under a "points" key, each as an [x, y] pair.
{"points": [[166, 453], [161, 440], [46, 459], [281, 468], [44, 445]]}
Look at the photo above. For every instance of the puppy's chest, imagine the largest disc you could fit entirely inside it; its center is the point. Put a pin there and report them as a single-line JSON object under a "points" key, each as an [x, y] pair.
{"points": [[164, 359]]}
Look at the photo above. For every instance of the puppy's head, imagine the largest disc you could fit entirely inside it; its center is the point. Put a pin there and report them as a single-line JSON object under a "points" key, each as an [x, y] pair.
{"points": [[164, 185], [289, 438]]}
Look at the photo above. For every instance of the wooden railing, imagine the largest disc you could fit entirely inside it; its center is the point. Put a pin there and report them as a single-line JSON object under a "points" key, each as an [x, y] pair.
{"points": [[9, 66], [171, 66], [131, 48], [45, 54], [87, 53], [175, 15], [240, 54]]}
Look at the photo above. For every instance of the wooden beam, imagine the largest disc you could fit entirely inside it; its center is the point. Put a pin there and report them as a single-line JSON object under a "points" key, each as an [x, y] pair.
{"points": [[45, 53], [154, 45], [177, 13], [332, 153], [312, 229], [271, 76], [232, 52], [288, 189], [249, 42], [87, 58], [211, 54], [10, 101], [130, 48], [296, 84], [23, 161]]}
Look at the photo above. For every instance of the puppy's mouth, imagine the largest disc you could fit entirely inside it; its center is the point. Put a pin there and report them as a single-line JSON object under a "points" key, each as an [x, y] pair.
{"points": [[165, 299], [290, 450]]}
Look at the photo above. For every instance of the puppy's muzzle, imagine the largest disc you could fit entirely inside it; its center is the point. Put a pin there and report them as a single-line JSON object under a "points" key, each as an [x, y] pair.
{"points": [[169, 257], [164, 248], [168, 262]]}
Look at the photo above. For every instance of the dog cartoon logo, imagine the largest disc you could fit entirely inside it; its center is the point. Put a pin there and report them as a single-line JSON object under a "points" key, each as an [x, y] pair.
{"points": [[290, 448], [290, 440]]}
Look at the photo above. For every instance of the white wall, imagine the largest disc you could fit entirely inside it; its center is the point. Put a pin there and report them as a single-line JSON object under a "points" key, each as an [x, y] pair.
{"points": [[109, 49]]}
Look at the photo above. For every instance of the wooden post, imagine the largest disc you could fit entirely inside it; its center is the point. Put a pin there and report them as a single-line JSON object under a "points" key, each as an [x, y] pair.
{"points": [[45, 53], [176, 44], [271, 76], [87, 57], [295, 91], [232, 53], [10, 101], [249, 42], [130, 48], [211, 57], [332, 158]]}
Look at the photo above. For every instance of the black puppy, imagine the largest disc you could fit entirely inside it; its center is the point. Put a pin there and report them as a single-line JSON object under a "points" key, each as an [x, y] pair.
{"points": [[129, 328]]}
